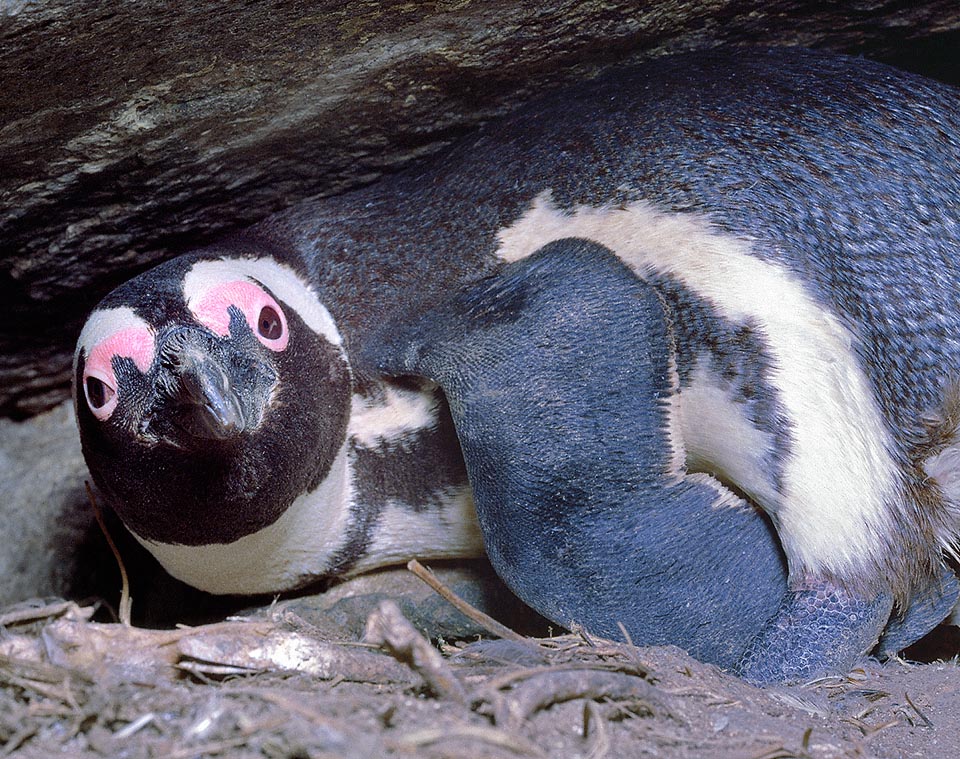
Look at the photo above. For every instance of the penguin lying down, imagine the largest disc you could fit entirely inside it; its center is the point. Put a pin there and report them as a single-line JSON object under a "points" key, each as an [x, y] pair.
{"points": [[685, 337]]}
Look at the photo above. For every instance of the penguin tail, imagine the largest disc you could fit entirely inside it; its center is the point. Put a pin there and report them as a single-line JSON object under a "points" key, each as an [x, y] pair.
{"points": [[935, 458]]}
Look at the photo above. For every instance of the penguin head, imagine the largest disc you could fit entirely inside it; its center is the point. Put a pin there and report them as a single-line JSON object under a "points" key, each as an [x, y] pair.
{"points": [[211, 393]]}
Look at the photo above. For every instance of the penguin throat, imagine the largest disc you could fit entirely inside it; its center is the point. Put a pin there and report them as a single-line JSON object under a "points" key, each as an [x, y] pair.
{"points": [[395, 491], [297, 548]]}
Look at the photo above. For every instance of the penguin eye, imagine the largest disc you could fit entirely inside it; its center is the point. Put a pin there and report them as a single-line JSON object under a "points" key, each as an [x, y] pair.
{"points": [[99, 393], [99, 382], [259, 309], [269, 325]]}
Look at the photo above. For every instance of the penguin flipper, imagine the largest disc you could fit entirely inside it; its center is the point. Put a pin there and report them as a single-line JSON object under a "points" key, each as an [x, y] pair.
{"points": [[558, 374]]}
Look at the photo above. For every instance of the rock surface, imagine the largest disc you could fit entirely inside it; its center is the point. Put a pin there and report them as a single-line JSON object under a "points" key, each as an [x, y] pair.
{"points": [[133, 129], [43, 508]]}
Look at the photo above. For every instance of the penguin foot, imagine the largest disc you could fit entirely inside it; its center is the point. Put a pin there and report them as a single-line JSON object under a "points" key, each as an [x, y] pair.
{"points": [[819, 629]]}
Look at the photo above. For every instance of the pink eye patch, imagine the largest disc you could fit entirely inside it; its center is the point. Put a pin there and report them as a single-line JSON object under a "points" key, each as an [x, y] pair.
{"points": [[262, 312], [99, 380]]}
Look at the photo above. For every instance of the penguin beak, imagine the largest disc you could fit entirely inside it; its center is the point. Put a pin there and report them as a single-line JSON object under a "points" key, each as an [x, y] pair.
{"points": [[208, 389], [217, 412]]}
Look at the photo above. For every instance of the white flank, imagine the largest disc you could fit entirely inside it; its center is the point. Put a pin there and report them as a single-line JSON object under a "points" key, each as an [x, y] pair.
{"points": [[282, 281], [447, 531], [840, 473], [299, 545], [400, 414]]}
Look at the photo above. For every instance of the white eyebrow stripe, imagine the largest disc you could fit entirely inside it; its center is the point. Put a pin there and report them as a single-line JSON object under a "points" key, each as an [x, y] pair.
{"points": [[104, 322], [283, 281]]}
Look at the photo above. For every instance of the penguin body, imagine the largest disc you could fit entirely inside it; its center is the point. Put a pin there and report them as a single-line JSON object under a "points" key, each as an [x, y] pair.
{"points": [[796, 217], [571, 475]]}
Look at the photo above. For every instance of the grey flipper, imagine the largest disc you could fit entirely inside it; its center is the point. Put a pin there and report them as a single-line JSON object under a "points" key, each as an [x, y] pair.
{"points": [[557, 371]]}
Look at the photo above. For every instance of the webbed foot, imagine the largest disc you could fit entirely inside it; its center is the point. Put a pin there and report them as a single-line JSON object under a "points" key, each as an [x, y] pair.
{"points": [[820, 628]]}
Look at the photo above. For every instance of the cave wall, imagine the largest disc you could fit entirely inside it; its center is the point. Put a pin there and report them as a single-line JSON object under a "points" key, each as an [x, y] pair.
{"points": [[131, 130]]}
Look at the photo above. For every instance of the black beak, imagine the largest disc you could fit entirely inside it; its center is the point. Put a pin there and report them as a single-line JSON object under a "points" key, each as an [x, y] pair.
{"points": [[209, 394], [210, 388]]}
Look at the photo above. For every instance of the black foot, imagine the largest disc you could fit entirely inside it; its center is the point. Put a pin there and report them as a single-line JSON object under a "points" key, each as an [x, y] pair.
{"points": [[819, 629]]}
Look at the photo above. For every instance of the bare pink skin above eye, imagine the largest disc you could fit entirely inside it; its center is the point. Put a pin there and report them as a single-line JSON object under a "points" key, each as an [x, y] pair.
{"points": [[211, 310], [136, 343]]}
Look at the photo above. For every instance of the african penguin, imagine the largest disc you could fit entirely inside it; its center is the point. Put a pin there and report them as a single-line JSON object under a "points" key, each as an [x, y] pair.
{"points": [[223, 422], [793, 214]]}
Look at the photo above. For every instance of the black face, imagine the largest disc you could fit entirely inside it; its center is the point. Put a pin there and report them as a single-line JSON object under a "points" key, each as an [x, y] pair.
{"points": [[202, 424]]}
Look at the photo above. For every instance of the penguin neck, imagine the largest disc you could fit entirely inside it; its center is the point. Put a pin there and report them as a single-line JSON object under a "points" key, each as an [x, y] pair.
{"points": [[396, 490], [287, 554]]}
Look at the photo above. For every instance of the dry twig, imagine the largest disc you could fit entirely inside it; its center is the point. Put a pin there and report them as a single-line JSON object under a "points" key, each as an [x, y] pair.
{"points": [[19, 616], [926, 720], [593, 722], [208, 749], [126, 603], [290, 705], [510, 678], [550, 686], [471, 612], [18, 739], [389, 629], [489, 735]]}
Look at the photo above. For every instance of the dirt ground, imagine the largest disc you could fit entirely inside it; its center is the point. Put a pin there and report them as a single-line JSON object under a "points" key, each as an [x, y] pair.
{"points": [[273, 684]]}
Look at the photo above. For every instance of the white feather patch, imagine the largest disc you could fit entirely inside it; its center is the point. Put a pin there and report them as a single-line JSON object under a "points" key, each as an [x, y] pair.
{"points": [[398, 415], [299, 545], [447, 531], [840, 475], [283, 282], [103, 323], [719, 439]]}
